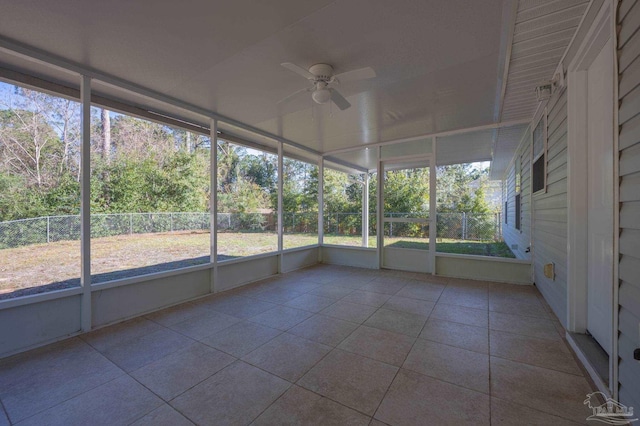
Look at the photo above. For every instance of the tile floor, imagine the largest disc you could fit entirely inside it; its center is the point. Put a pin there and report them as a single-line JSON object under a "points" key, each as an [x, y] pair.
{"points": [[325, 345]]}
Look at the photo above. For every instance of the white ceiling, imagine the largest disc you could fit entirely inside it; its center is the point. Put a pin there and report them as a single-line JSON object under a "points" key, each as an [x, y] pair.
{"points": [[439, 64]]}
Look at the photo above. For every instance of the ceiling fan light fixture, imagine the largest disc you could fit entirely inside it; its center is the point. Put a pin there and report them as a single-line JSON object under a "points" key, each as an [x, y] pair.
{"points": [[321, 96]]}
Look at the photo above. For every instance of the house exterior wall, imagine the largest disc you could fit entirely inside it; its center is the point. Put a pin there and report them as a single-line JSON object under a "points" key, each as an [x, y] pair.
{"points": [[550, 212], [629, 170], [544, 214], [512, 236]]}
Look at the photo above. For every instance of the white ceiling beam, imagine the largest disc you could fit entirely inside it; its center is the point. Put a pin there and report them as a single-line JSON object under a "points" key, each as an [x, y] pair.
{"points": [[70, 66], [430, 135]]}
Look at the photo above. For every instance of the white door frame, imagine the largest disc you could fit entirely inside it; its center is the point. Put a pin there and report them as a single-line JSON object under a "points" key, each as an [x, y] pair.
{"points": [[602, 31], [430, 158]]}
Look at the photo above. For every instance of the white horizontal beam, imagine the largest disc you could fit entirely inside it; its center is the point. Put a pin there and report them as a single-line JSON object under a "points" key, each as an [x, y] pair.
{"points": [[73, 67], [430, 135]]}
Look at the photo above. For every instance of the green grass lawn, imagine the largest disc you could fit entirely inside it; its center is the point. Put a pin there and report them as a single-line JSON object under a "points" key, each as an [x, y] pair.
{"points": [[127, 255]]}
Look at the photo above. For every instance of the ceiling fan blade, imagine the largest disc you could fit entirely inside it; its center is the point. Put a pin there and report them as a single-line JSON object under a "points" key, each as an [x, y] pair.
{"points": [[339, 100], [355, 75], [294, 94], [298, 70]]}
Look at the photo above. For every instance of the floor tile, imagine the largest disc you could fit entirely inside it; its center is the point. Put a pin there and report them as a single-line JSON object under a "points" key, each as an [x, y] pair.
{"points": [[397, 279], [233, 396], [278, 295], [204, 325], [353, 312], [242, 338], [137, 352], [383, 286], [380, 345], [163, 416], [240, 307], [455, 334], [530, 308], [505, 413], [353, 380], [310, 302], [465, 297], [534, 327], [553, 392], [461, 314], [508, 288], [367, 298], [398, 322], [120, 401], [415, 399], [168, 377], [467, 284], [287, 356], [535, 351], [430, 278], [281, 317], [42, 378], [324, 329], [331, 291], [298, 406], [303, 285], [354, 282], [176, 314], [454, 365], [413, 306], [106, 337], [421, 290]]}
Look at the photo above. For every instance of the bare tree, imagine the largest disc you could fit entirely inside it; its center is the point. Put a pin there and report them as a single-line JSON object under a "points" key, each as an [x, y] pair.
{"points": [[106, 135]]}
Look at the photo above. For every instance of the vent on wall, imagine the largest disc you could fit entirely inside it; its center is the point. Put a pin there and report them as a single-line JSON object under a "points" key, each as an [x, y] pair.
{"points": [[550, 271]]}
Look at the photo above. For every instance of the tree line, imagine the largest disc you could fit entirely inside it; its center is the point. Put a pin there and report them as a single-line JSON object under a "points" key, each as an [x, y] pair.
{"points": [[142, 166]]}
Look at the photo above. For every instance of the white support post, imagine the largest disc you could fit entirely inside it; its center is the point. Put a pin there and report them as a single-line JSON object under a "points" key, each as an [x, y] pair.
{"points": [[365, 211], [85, 204], [213, 206], [380, 218], [320, 206], [280, 205], [433, 213]]}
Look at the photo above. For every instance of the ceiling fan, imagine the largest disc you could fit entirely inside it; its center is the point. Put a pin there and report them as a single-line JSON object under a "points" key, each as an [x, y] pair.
{"points": [[323, 79]]}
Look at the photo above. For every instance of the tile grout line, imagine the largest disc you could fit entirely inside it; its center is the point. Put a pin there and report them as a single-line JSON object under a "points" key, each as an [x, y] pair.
{"points": [[124, 373], [323, 357], [326, 355], [405, 357], [65, 400], [310, 368], [4, 410]]}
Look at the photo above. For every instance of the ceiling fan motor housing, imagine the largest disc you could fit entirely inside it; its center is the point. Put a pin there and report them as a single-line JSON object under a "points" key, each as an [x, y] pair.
{"points": [[322, 72]]}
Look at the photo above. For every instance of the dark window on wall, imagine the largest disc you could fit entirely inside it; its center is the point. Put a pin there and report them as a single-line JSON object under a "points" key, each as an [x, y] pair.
{"points": [[518, 211], [538, 174], [539, 164], [506, 212]]}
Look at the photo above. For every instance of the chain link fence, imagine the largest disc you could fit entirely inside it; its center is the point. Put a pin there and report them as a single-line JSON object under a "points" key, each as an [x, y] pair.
{"points": [[41, 230], [470, 226]]}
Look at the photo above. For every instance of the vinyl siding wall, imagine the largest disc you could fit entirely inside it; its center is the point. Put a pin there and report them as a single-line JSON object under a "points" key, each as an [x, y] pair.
{"points": [[513, 237], [550, 212], [544, 215], [629, 145]]}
